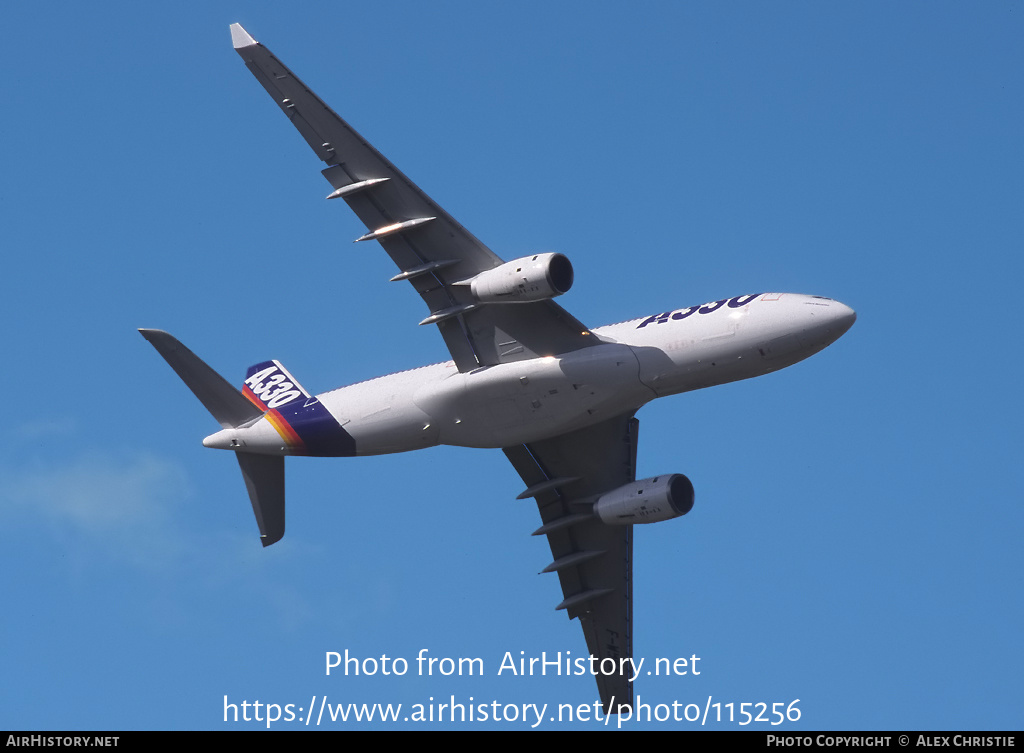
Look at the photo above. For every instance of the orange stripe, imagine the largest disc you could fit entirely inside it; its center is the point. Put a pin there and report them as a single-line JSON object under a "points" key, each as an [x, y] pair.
{"points": [[283, 428], [253, 399]]}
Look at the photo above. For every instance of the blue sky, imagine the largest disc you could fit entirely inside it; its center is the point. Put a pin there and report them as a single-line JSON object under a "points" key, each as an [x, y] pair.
{"points": [[856, 538]]}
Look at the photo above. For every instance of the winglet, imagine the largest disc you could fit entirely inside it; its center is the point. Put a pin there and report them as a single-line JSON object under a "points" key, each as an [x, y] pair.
{"points": [[240, 37]]}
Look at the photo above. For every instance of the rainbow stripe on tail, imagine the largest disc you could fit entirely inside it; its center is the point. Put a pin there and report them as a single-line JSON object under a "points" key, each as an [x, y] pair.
{"points": [[303, 422]]}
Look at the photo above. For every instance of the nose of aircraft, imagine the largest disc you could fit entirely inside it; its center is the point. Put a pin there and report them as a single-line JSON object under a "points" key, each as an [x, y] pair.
{"points": [[830, 321], [844, 317]]}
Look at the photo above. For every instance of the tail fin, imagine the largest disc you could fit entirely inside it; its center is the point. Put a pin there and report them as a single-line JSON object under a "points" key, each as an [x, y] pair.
{"points": [[263, 474], [303, 423], [270, 386]]}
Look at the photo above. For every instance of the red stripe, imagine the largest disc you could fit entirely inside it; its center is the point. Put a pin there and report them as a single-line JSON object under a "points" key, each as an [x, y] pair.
{"points": [[253, 399]]}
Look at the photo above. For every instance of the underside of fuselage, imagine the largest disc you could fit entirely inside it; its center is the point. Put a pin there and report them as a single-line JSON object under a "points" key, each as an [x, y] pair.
{"points": [[516, 403]]}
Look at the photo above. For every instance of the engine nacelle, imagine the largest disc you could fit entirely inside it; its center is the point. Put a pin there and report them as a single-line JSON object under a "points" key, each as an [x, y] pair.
{"points": [[648, 501], [531, 278]]}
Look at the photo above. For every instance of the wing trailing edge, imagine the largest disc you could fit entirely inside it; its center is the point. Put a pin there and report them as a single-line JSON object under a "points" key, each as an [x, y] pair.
{"points": [[593, 560]]}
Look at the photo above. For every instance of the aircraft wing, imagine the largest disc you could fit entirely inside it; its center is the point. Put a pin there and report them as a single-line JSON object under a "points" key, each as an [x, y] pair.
{"points": [[594, 561], [430, 248]]}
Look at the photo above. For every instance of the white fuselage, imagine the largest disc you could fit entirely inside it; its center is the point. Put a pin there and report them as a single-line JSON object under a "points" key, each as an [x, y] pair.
{"points": [[514, 403]]}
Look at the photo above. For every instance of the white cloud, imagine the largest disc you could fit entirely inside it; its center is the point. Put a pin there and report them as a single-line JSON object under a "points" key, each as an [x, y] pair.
{"points": [[119, 504]]}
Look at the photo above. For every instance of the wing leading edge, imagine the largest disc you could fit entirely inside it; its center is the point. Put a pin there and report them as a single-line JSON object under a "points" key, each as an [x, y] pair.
{"points": [[431, 249], [594, 561]]}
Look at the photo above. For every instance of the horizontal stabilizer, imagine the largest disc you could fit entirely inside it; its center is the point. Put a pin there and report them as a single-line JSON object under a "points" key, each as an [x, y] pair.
{"points": [[264, 478], [229, 406]]}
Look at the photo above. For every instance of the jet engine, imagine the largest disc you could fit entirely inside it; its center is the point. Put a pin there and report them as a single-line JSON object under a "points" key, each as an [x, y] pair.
{"points": [[648, 501], [531, 278]]}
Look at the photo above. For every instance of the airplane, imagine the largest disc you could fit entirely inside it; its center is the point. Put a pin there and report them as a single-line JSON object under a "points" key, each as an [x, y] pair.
{"points": [[557, 397]]}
